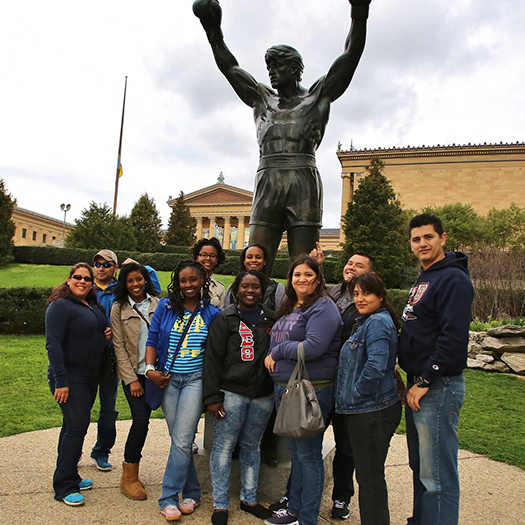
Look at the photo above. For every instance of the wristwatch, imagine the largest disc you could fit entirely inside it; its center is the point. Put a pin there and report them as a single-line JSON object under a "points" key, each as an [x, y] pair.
{"points": [[422, 383], [149, 368]]}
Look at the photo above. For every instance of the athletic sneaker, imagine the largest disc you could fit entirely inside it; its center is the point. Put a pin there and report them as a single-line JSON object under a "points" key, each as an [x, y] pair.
{"points": [[340, 510], [188, 505], [102, 463], [280, 505], [75, 499], [171, 513], [282, 518], [85, 484]]}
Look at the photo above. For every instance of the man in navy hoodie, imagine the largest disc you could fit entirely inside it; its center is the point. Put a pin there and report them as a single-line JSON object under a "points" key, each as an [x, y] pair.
{"points": [[433, 352]]}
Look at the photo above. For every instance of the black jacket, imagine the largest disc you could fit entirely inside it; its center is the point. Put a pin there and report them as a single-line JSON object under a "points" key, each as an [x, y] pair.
{"points": [[234, 356], [435, 334]]}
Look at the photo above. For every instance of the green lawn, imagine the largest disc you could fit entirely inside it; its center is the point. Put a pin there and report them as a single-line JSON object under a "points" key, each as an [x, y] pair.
{"points": [[491, 423], [30, 275]]}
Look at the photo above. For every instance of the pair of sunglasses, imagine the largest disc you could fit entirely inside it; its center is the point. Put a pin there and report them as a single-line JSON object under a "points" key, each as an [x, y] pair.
{"points": [[78, 277], [98, 264]]}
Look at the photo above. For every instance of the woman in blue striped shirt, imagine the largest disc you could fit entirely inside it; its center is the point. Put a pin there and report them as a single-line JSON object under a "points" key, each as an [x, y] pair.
{"points": [[174, 359]]}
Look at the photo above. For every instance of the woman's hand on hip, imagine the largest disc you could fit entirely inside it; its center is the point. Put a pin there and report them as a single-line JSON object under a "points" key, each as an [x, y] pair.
{"points": [[269, 363]]}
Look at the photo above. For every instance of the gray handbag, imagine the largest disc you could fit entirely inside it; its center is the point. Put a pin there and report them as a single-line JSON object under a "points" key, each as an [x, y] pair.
{"points": [[299, 415]]}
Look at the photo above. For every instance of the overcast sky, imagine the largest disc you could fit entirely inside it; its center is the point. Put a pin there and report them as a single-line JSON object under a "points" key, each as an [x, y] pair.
{"points": [[433, 72]]}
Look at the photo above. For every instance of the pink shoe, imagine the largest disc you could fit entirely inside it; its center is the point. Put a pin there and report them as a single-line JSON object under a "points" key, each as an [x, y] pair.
{"points": [[171, 513], [188, 505]]}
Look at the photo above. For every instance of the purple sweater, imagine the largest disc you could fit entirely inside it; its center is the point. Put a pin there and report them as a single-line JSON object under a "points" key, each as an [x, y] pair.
{"points": [[319, 328]]}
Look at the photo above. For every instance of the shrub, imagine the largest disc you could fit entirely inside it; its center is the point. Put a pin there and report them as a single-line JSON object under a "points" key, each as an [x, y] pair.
{"points": [[22, 310]]}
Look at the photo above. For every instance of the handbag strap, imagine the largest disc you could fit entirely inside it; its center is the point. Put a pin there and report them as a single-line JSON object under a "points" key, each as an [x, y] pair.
{"points": [[169, 363], [148, 324]]}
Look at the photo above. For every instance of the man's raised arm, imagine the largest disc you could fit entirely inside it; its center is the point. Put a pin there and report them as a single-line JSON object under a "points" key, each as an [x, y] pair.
{"points": [[342, 70], [210, 14]]}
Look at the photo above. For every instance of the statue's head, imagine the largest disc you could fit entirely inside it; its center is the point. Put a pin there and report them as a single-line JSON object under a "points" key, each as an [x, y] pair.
{"points": [[287, 55]]}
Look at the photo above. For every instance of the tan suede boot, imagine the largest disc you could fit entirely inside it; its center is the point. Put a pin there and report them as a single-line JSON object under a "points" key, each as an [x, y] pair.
{"points": [[130, 485]]}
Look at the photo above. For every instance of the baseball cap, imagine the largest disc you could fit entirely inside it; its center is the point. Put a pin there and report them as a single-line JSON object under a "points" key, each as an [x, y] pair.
{"points": [[107, 255]]}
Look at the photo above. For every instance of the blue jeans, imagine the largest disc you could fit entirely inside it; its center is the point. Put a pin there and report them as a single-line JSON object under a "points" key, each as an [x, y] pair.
{"points": [[245, 421], [307, 476], [433, 452], [106, 428], [75, 422], [182, 407]]}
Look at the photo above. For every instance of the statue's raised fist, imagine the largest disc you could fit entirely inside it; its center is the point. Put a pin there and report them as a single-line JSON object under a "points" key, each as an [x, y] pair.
{"points": [[209, 12], [357, 3]]}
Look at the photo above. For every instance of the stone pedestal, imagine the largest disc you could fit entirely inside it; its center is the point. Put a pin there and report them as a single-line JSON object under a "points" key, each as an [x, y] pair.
{"points": [[272, 480]]}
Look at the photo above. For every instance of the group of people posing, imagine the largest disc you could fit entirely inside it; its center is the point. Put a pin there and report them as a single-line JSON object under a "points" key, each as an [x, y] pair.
{"points": [[231, 353]]}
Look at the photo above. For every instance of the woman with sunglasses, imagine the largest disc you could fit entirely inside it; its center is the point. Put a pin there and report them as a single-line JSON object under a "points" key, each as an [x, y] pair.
{"points": [[238, 392], [254, 257], [130, 321], [76, 334], [174, 360], [367, 395], [210, 254]]}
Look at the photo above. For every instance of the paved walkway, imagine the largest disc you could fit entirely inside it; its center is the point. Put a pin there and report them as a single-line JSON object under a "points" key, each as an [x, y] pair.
{"points": [[492, 493]]}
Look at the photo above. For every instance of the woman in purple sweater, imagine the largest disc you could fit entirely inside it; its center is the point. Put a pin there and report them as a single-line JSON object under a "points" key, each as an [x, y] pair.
{"points": [[308, 314]]}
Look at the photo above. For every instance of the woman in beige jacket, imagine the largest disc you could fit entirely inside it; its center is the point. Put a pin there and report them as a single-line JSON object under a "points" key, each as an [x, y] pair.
{"points": [[130, 321]]}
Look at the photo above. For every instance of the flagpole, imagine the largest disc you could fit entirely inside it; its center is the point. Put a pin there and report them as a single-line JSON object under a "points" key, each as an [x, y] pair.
{"points": [[119, 165]]}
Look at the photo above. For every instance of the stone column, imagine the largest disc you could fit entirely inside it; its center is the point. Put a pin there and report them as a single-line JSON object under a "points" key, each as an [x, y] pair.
{"points": [[346, 197], [240, 233], [198, 233], [226, 240], [211, 233]]}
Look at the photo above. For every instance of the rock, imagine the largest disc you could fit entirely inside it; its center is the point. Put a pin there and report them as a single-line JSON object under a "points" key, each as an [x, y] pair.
{"points": [[504, 344], [474, 349], [474, 363], [497, 366], [510, 330], [477, 337], [515, 361], [484, 358]]}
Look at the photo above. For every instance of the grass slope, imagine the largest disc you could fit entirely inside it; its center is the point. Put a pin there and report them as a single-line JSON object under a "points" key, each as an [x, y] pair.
{"points": [[31, 275]]}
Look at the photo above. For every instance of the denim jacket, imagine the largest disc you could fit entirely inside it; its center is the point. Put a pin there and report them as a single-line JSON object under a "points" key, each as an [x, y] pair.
{"points": [[365, 380]]}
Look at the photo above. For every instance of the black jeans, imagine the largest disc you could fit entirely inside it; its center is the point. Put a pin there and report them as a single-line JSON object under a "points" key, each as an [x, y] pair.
{"points": [[75, 422], [140, 413], [107, 417], [370, 434], [343, 463]]}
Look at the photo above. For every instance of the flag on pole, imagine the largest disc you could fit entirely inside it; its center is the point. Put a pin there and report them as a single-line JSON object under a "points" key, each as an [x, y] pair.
{"points": [[119, 168]]}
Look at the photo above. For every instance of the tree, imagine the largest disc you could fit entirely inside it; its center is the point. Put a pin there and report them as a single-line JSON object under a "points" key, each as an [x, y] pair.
{"points": [[464, 226], [374, 224], [506, 228], [146, 224], [181, 226], [97, 229], [7, 226]]}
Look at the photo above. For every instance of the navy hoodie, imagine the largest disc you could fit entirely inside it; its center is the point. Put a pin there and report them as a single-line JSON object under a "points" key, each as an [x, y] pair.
{"points": [[435, 335]]}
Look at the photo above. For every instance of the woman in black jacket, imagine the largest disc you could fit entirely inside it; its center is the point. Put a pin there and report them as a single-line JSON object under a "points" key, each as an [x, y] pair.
{"points": [[238, 391], [76, 334]]}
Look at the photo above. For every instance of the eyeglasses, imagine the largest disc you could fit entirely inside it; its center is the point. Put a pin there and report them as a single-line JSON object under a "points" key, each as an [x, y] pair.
{"points": [[208, 255], [78, 277], [98, 264]]}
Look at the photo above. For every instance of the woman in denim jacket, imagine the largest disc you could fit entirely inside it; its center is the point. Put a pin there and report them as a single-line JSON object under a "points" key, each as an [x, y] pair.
{"points": [[366, 394]]}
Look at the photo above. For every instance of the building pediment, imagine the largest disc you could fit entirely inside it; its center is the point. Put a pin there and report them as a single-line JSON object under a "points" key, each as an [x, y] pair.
{"points": [[219, 193]]}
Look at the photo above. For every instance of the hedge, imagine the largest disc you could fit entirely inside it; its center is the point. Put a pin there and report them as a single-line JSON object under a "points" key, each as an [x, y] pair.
{"points": [[22, 310], [158, 260]]}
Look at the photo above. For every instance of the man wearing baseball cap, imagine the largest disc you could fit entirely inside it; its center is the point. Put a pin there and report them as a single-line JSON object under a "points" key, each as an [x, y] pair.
{"points": [[105, 266]]}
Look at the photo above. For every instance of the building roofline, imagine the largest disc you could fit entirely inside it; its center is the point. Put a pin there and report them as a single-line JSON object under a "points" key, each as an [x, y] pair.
{"points": [[42, 216]]}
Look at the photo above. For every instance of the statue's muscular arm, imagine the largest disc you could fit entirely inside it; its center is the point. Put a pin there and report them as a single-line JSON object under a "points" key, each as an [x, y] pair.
{"points": [[342, 70], [246, 87]]}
